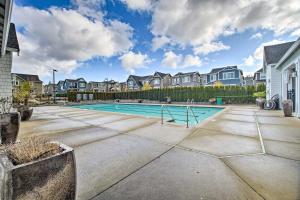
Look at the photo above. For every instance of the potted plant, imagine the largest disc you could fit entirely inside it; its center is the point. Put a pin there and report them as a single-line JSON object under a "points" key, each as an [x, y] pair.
{"points": [[9, 122], [21, 98], [260, 98], [36, 168], [287, 106]]}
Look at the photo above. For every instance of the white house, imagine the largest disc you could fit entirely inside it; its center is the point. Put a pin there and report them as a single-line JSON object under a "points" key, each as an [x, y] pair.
{"points": [[289, 68], [8, 45], [271, 57]]}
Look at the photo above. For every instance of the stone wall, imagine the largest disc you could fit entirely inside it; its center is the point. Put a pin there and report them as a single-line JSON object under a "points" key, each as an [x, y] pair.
{"points": [[5, 75]]}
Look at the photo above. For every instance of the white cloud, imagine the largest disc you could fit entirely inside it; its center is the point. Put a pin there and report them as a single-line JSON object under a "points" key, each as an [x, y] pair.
{"points": [[131, 61], [192, 22], [191, 60], [158, 42], [175, 61], [90, 8], [296, 33], [140, 5], [249, 61], [62, 39], [210, 47], [256, 36]]}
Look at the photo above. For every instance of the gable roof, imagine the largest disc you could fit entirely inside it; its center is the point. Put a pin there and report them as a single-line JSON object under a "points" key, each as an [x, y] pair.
{"points": [[74, 80], [12, 41], [289, 52], [216, 70], [162, 75], [273, 53], [29, 77], [139, 79], [187, 73]]}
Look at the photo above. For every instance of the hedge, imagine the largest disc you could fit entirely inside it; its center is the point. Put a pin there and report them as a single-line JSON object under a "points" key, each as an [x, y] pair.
{"points": [[230, 94]]}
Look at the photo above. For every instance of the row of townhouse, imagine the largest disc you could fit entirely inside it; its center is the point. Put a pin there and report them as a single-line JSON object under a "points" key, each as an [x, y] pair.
{"points": [[229, 75], [81, 85]]}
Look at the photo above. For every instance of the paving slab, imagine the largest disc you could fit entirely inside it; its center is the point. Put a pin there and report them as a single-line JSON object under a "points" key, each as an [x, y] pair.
{"points": [[129, 124], [272, 177], [283, 149], [216, 143], [40, 128], [166, 133], [84, 136], [241, 112], [103, 163], [181, 175], [289, 121], [235, 117], [280, 132], [99, 120], [233, 127]]}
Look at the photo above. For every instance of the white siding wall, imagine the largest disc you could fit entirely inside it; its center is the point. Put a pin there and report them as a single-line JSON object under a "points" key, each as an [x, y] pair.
{"points": [[268, 81], [275, 82], [5, 75]]}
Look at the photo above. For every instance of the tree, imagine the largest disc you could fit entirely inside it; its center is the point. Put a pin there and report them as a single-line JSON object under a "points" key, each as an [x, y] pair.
{"points": [[218, 84], [146, 86], [21, 95]]}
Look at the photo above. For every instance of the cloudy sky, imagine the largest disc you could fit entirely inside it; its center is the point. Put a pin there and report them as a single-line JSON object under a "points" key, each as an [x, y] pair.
{"points": [[98, 39]]}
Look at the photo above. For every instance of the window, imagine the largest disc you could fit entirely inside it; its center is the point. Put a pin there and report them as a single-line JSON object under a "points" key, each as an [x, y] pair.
{"points": [[130, 83], [262, 76], [213, 77], [228, 75], [156, 81], [186, 79], [81, 85]]}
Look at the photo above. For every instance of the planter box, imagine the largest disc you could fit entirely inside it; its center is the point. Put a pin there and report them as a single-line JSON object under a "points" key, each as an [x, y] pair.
{"points": [[16, 181], [25, 113], [9, 127]]}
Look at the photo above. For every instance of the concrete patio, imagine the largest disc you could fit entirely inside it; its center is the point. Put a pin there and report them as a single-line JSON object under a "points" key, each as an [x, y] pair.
{"points": [[241, 153]]}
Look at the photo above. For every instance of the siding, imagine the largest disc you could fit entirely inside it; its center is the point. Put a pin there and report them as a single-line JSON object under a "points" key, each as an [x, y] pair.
{"points": [[5, 75], [275, 82]]}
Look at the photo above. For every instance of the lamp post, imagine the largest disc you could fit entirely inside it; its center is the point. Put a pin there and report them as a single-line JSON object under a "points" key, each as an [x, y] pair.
{"points": [[54, 88]]}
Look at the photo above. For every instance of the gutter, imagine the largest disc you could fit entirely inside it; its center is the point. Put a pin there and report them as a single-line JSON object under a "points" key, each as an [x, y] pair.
{"points": [[291, 50]]}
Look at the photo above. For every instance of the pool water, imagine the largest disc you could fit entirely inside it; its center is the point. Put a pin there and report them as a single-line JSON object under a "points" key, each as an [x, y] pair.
{"points": [[178, 112]]}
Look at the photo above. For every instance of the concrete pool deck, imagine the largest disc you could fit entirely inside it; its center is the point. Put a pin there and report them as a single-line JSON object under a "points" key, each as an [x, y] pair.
{"points": [[241, 153]]}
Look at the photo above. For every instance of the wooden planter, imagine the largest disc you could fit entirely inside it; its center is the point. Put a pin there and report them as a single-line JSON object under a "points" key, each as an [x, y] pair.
{"points": [[33, 177], [25, 113], [9, 127]]}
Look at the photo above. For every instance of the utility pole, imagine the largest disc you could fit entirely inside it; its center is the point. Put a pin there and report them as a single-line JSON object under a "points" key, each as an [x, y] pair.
{"points": [[54, 88]]}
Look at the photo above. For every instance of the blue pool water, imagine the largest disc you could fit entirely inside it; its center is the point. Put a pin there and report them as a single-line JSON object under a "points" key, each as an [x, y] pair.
{"points": [[178, 112]]}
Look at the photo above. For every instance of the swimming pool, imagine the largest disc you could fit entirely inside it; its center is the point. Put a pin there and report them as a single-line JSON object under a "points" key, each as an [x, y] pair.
{"points": [[175, 113]]}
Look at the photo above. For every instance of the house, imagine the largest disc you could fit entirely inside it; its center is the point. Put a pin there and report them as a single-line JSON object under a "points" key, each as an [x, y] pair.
{"points": [[189, 79], [272, 55], [229, 75], [203, 79], [248, 81], [161, 80], [8, 45], [259, 77], [75, 85], [48, 89], [95, 86], [36, 85], [288, 66], [137, 82]]}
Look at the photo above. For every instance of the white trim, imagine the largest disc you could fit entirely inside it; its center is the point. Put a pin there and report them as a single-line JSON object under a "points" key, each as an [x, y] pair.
{"points": [[288, 53], [6, 24]]}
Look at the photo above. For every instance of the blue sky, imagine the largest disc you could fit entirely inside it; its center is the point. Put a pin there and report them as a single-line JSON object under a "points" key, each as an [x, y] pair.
{"points": [[98, 39]]}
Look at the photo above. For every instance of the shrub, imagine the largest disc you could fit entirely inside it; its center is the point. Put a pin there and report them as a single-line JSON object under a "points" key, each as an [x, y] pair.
{"points": [[31, 149], [260, 94]]}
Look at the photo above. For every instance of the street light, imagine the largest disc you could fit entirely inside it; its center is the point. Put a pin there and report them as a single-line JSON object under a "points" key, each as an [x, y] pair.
{"points": [[54, 89]]}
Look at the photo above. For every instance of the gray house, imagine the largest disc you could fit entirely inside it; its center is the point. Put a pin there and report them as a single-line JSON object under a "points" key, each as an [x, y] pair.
{"points": [[229, 75], [161, 80], [76, 85], [190, 79], [259, 77], [137, 82]]}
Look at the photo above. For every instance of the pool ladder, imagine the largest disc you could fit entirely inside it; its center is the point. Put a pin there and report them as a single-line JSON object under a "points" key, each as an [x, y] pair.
{"points": [[188, 109]]}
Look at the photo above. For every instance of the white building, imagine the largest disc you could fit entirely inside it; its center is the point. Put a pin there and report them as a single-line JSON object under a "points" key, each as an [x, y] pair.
{"points": [[289, 67], [282, 67], [8, 45]]}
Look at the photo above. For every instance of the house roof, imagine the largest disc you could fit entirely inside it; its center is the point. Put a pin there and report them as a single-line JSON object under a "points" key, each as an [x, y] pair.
{"points": [[12, 41], [273, 53], [74, 80], [289, 52], [29, 77], [216, 70], [162, 75], [187, 73], [139, 79]]}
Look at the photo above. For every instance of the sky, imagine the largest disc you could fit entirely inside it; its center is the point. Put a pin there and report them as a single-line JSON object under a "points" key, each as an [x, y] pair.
{"points": [[99, 39]]}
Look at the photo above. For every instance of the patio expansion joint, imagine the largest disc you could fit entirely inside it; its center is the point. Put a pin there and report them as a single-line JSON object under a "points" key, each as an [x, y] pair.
{"points": [[133, 172], [259, 133], [239, 176]]}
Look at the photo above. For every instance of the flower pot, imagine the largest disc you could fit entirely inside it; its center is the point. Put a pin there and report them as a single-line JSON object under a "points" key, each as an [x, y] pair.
{"points": [[260, 102], [287, 106], [9, 127], [45, 178], [25, 112]]}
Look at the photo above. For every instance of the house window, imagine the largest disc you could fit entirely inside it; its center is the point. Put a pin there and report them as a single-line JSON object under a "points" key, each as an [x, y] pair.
{"points": [[262, 76], [156, 81], [228, 75], [81, 84], [213, 77], [186, 79], [130, 83]]}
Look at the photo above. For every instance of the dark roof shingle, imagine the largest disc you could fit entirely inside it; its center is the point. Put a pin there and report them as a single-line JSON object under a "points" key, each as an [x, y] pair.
{"points": [[273, 53], [29, 77], [12, 40]]}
